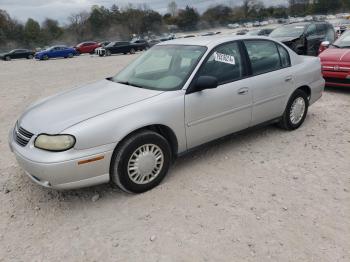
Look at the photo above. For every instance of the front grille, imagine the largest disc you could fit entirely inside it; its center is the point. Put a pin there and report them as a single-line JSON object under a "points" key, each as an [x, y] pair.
{"points": [[337, 80], [22, 136]]}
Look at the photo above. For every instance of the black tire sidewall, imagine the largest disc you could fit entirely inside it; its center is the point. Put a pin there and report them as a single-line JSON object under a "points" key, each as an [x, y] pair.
{"points": [[288, 122], [129, 149]]}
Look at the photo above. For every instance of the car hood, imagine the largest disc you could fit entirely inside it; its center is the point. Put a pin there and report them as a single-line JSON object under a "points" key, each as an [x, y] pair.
{"points": [[335, 55], [56, 113], [285, 39]]}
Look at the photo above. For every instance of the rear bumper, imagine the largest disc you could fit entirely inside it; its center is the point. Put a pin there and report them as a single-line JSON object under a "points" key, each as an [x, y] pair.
{"points": [[66, 173], [317, 89]]}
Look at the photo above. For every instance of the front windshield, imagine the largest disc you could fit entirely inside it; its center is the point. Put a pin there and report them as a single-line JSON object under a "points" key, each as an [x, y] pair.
{"points": [[111, 44], [288, 31], [343, 41], [164, 67]]}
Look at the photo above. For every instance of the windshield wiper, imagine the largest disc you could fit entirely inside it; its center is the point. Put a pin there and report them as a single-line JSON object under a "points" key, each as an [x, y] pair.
{"points": [[129, 84]]}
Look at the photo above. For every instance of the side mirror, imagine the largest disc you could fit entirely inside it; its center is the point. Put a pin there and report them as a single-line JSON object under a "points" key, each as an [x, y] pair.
{"points": [[325, 44], [206, 82]]}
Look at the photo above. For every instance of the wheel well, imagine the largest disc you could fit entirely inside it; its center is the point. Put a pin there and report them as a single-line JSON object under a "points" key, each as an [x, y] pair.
{"points": [[163, 130], [307, 90]]}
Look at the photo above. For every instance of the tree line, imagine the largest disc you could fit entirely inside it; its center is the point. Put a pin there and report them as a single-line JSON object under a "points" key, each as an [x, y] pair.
{"points": [[101, 23]]}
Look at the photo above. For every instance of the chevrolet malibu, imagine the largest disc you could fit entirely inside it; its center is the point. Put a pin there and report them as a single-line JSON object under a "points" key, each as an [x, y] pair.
{"points": [[180, 94], [335, 60]]}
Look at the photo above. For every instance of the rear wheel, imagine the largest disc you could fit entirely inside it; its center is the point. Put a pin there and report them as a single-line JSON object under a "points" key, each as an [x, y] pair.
{"points": [[141, 162], [30, 57], [296, 111]]}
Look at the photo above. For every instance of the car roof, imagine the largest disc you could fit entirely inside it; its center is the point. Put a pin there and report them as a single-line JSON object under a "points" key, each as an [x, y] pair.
{"points": [[210, 41]]}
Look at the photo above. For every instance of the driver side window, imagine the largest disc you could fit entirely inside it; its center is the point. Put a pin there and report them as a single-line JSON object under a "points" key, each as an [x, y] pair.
{"points": [[311, 30], [225, 64]]}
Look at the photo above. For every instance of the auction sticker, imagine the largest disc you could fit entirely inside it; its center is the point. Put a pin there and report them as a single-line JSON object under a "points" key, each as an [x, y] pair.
{"points": [[223, 58]]}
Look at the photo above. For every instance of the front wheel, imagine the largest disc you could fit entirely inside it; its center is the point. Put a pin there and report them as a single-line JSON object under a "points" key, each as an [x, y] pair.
{"points": [[132, 51], [141, 162], [7, 58], [296, 111], [45, 57], [70, 55], [30, 57]]}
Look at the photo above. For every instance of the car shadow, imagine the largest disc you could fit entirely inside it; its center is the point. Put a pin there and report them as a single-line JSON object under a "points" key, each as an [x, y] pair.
{"points": [[338, 90]]}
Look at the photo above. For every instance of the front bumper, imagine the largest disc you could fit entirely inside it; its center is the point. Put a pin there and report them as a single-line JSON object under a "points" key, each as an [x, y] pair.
{"points": [[341, 79], [61, 170]]}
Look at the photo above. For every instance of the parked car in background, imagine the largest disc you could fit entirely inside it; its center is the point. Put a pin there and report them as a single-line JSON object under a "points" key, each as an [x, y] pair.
{"points": [[140, 44], [122, 47], [340, 25], [261, 32], [16, 54], [129, 128], [305, 38], [335, 60], [87, 47], [153, 42], [56, 52], [104, 43], [242, 32], [233, 26]]}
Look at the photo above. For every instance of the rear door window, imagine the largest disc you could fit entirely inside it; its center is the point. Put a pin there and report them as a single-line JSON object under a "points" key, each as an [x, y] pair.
{"points": [[263, 55]]}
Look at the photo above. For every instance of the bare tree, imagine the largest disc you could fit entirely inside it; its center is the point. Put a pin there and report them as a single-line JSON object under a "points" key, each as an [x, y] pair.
{"points": [[79, 25], [172, 8]]}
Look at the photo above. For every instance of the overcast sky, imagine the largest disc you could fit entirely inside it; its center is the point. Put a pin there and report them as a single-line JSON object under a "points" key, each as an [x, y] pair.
{"points": [[61, 9]]}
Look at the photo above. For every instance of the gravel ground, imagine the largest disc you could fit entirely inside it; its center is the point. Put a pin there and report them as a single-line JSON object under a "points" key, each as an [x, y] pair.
{"points": [[265, 195]]}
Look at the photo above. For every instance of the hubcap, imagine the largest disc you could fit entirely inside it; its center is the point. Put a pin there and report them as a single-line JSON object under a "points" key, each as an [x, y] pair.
{"points": [[297, 110], [145, 163]]}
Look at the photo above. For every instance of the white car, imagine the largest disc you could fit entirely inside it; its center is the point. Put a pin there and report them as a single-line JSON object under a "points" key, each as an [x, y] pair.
{"points": [[178, 95]]}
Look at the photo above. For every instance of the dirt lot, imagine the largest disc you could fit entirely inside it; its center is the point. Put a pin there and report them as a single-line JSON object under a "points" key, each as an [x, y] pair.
{"points": [[266, 195]]}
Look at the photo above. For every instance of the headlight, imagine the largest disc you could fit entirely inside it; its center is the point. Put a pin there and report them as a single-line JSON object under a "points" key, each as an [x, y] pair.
{"points": [[54, 142]]}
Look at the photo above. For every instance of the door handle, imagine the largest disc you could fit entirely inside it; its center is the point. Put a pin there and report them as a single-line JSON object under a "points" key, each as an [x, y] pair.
{"points": [[243, 91], [288, 78]]}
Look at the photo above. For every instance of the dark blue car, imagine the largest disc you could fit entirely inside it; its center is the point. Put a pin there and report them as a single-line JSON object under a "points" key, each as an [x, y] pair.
{"points": [[55, 52]]}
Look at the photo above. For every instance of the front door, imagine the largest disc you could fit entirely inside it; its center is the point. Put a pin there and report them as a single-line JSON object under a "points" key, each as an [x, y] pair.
{"points": [[213, 113]]}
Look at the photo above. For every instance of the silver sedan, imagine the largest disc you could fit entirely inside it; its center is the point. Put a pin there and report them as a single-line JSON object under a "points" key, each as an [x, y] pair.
{"points": [[180, 94]]}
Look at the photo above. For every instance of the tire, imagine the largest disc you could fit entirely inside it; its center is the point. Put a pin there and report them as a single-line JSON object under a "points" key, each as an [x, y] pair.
{"points": [[45, 57], [132, 51], [131, 179], [300, 102], [108, 53], [7, 58], [30, 57], [70, 55]]}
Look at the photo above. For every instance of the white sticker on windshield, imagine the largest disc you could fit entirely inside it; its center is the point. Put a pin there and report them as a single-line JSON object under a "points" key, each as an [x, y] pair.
{"points": [[223, 58]]}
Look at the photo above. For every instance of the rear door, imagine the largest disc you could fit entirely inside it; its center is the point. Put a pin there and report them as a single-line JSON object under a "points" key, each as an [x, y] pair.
{"points": [[213, 113], [271, 79]]}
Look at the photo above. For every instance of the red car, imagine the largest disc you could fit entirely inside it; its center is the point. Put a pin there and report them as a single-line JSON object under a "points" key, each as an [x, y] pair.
{"points": [[335, 61], [87, 47]]}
